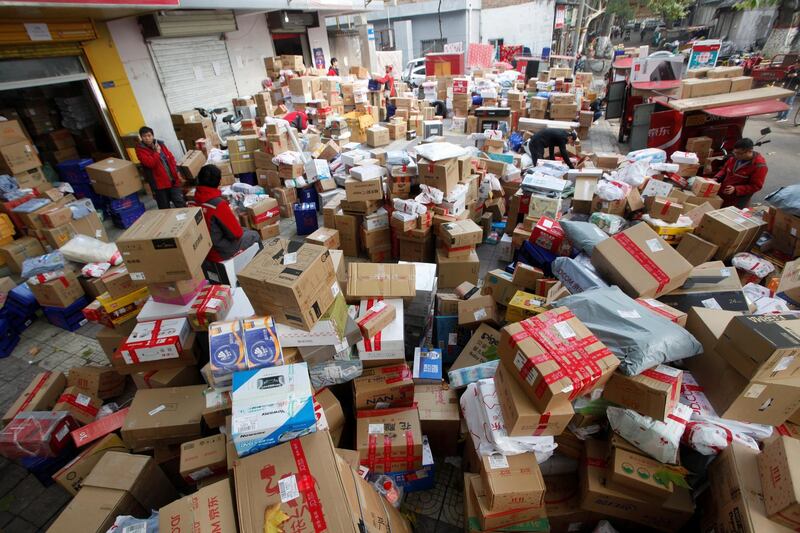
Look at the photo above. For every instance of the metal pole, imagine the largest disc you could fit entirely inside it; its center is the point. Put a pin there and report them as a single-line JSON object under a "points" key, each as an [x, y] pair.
{"points": [[576, 39]]}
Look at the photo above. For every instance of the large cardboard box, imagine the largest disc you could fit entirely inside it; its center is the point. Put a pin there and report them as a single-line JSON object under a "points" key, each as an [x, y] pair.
{"points": [[780, 480], [83, 407], [208, 510], [735, 499], [553, 379], [59, 292], [369, 280], [521, 417], [732, 229], [15, 252], [294, 283], [40, 395], [442, 175], [337, 500], [474, 520], [389, 440], [488, 520], [711, 285], [165, 245], [18, 157], [71, 476], [762, 347], [640, 262], [460, 233], [384, 387], [164, 416], [455, 271], [119, 484], [695, 249], [652, 393], [671, 514], [439, 417], [116, 178], [512, 482]]}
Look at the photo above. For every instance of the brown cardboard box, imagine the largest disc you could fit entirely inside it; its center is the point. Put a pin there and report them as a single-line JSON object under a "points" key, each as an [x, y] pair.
{"points": [[789, 284], [14, 253], [118, 282], [520, 356], [332, 409], [119, 484], [114, 177], [363, 190], [460, 233], [159, 417], [741, 83], [377, 136], [454, 271], [442, 174], [734, 501], [18, 157], [207, 510], [563, 111], [202, 458], [40, 395], [365, 280], [562, 503], [496, 520], [100, 381], [652, 393], [526, 276], [697, 87], [695, 249], [11, 132], [342, 500], [661, 268], [669, 515], [732, 395], [665, 209], [168, 377], [71, 476], [725, 72], [499, 284], [59, 292], [521, 417], [91, 226], [57, 237], [383, 387], [637, 473], [393, 431], [709, 285], [585, 187], [512, 482], [348, 225], [731, 229], [294, 283], [439, 417], [326, 237], [166, 245], [79, 403], [778, 468], [478, 310], [376, 318], [762, 347]]}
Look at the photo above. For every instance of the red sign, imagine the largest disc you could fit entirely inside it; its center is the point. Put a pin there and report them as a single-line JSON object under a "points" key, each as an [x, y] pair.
{"points": [[560, 15], [665, 130]]}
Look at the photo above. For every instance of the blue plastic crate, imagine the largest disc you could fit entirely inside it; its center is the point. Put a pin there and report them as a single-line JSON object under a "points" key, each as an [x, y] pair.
{"points": [[305, 217], [22, 299], [74, 170], [70, 318], [84, 190], [9, 337], [127, 217], [43, 468], [117, 204], [308, 195]]}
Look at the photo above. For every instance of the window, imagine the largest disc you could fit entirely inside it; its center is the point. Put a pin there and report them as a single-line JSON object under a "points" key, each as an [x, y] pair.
{"points": [[432, 45], [384, 39], [497, 43]]}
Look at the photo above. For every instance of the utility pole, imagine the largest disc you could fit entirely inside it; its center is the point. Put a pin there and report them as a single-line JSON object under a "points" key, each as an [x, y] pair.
{"points": [[576, 39]]}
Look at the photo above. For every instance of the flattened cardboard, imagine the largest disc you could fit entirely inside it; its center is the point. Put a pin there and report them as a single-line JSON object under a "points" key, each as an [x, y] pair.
{"points": [[71, 476]]}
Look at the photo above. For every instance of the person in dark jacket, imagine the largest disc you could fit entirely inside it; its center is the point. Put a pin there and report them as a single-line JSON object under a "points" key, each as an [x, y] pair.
{"points": [[334, 68], [742, 175], [551, 138], [160, 170], [228, 237]]}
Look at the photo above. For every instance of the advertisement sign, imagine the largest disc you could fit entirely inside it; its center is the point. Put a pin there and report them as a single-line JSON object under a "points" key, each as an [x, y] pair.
{"points": [[560, 12], [319, 58], [657, 68], [704, 54]]}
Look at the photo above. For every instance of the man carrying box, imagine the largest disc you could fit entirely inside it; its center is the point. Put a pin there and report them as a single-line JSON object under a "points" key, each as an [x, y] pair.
{"points": [[742, 175], [160, 169]]}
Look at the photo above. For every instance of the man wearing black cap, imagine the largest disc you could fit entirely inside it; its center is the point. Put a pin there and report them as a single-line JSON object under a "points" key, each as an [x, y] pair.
{"points": [[551, 138]]}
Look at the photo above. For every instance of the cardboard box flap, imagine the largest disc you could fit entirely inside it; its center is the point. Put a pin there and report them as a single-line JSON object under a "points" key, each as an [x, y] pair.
{"points": [[381, 280]]}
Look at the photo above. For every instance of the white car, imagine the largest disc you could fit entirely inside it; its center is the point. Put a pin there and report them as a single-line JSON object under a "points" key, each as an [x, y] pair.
{"points": [[414, 73]]}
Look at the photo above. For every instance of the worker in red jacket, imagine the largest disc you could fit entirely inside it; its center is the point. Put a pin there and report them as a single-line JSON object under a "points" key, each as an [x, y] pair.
{"points": [[160, 170], [742, 175], [228, 237], [334, 68], [388, 79], [298, 119]]}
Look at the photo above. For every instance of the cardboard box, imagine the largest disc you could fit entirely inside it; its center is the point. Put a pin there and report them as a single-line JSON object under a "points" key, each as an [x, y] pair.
{"points": [[389, 440], [741, 83], [671, 514], [209, 509], [116, 178], [520, 415], [512, 482], [329, 410], [665, 209], [367, 280], [478, 310], [460, 233], [165, 245], [71, 475], [155, 341], [524, 305], [120, 484], [454, 271], [439, 417], [695, 249], [762, 347], [326, 237], [203, 458], [18, 157], [376, 318], [40, 395], [59, 292], [377, 136], [631, 471], [56, 217], [292, 282], [711, 285], [652, 393], [363, 190], [268, 404], [640, 262], [100, 381], [525, 276], [11, 132], [443, 175], [168, 377], [481, 347], [384, 387], [263, 213], [91, 226], [341, 499], [531, 338], [15, 252], [81, 405], [777, 466], [497, 520], [159, 417]]}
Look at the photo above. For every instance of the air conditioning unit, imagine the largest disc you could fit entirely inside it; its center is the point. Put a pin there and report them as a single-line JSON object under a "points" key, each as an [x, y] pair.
{"points": [[193, 23], [291, 21]]}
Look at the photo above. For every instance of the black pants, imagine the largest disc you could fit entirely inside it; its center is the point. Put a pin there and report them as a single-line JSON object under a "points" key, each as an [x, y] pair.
{"points": [[537, 151], [165, 196]]}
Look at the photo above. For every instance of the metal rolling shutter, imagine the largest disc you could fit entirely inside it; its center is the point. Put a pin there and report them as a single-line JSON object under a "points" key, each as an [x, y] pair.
{"points": [[194, 72]]}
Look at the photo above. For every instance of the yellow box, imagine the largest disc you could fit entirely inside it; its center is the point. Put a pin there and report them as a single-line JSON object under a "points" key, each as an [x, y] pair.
{"points": [[523, 305]]}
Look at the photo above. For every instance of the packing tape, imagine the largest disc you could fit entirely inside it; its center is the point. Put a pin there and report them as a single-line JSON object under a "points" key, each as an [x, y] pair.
{"points": [[643, 259]]}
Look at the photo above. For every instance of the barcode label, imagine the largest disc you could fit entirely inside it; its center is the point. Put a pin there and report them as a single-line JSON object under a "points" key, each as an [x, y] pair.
{"points": [[288, 487], [375, 429], [654, 245], [141, 527], [82, 399], [245, 424], [290, 258], [565, 330], [428, 368], [711, 303], [497, 460], [157, 410]]}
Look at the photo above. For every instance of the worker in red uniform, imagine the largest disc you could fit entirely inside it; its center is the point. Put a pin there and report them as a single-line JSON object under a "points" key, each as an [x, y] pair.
{"points": [[334, 68], [388, 79], [228, 237], [160, 170], [742, 175], [298, 119]]}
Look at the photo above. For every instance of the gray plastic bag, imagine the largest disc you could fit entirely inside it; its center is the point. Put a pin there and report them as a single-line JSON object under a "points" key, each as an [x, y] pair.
{"points": [[583, 235], [786, 199], [638, 337], [575, 276]]}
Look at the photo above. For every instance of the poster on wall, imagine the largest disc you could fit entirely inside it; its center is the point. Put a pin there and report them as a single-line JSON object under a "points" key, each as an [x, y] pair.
{"points": [[704, 54], [319, 58], [560, 16]]}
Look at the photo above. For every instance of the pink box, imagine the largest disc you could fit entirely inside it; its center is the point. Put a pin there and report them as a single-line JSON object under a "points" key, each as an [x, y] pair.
{"points": [[155, 340]]}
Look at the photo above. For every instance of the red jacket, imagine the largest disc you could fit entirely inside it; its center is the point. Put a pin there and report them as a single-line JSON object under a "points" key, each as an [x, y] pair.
{"points": [[390, 80], [333, 71], [223, 226], [154, 168], [747, 180], [290, 117]]}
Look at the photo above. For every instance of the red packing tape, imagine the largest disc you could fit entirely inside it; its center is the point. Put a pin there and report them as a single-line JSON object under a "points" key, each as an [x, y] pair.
{"points": [[306, 485], [643, 259]]}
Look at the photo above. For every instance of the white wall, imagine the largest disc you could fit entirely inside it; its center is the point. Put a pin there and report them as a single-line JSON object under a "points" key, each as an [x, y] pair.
{"points": [[247, 48], [318, 38], [529, 24]]}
